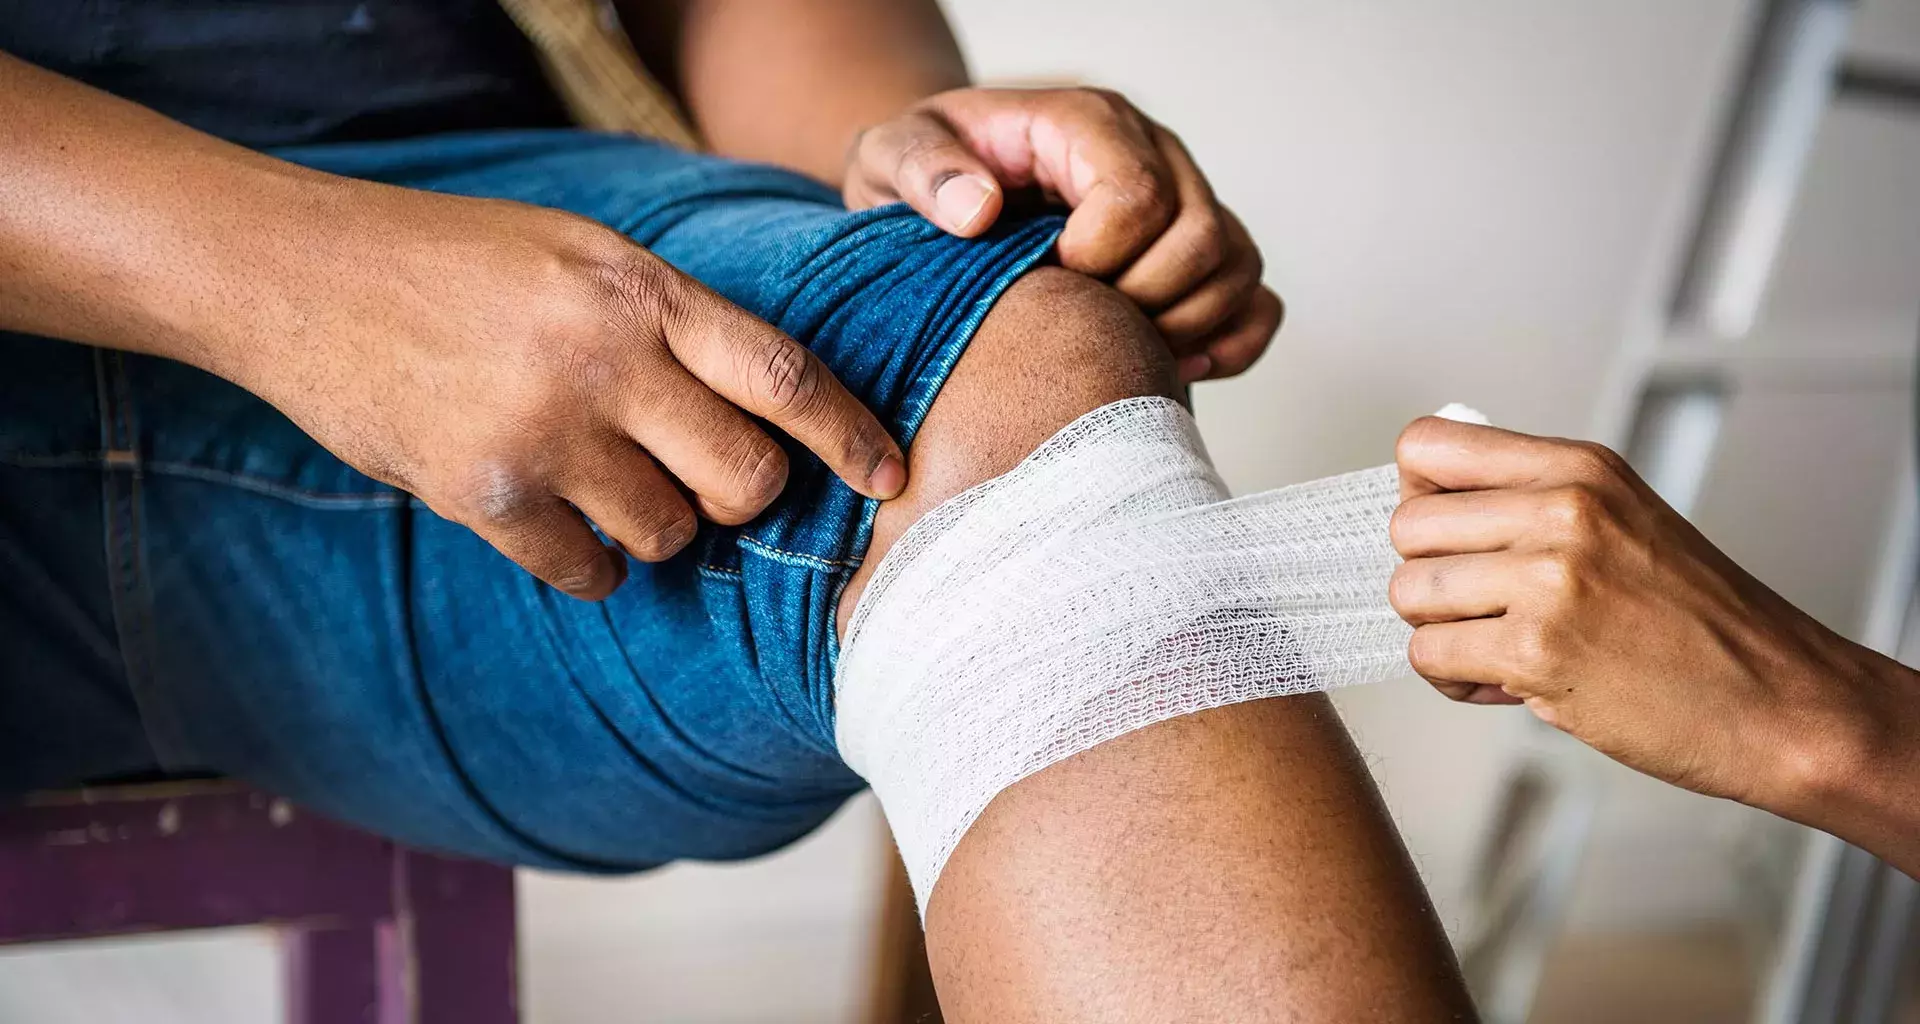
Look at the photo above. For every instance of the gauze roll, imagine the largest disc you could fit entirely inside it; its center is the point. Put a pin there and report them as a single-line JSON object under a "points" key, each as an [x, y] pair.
{"points": [[1104, 584]]}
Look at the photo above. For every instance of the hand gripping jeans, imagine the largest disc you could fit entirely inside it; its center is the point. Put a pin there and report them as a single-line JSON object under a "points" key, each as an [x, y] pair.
{"points": [[189, 583]]}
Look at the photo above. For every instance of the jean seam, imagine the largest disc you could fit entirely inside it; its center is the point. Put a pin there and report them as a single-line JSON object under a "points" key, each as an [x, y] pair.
{"points": [[344, 500], [796, 558], [325, 500], [71, 460], [128, 589]]}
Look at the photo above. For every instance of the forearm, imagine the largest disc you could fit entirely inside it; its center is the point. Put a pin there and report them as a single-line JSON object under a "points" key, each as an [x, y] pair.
{"points": [[121, 228], [793, 82]]}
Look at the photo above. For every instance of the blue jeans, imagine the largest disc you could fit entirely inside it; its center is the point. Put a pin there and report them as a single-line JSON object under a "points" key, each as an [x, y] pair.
{"points": [[189, 583]]}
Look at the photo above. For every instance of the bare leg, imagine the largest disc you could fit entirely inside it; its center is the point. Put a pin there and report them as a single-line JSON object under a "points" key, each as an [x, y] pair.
{"points": [[1232, 865]]}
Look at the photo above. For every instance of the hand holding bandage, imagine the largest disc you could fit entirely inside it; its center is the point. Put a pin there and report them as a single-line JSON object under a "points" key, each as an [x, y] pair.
{"points": [[1546, 572]]}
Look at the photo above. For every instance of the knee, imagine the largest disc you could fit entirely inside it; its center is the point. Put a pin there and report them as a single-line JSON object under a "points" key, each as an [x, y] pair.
{"points": [[1057, 345]]}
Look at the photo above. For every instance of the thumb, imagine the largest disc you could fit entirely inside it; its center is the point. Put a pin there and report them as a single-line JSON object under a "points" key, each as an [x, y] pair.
{"points": [[1456, 449], [916, 158], [1424, 443], [1436, 454]]}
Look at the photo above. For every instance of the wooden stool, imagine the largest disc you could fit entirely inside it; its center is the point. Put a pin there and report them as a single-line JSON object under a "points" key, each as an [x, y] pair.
{"points": [[373, 933]]}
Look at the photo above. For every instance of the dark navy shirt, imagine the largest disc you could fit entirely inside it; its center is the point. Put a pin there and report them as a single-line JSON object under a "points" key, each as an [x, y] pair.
{"points": [[275, 72]]}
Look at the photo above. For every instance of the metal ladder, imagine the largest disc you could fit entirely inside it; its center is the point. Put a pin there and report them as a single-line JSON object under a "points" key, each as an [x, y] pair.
{"points": [[1849, 929]]}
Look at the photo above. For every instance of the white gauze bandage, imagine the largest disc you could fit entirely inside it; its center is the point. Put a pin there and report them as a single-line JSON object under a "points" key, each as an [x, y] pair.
{"points": [[1104, 584]]}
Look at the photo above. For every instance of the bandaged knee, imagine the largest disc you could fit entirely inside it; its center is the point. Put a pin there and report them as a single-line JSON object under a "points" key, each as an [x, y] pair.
{"points": [[1105, 584]]}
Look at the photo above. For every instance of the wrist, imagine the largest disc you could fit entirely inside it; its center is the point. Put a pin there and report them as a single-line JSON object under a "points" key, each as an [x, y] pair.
{"points": [[266, 269], [1851, 767], [1887, 805]]}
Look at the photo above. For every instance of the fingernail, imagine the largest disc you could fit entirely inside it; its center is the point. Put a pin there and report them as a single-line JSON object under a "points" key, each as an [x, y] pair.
{"points": [[1194, 367], [960, 199], [889, 477]]}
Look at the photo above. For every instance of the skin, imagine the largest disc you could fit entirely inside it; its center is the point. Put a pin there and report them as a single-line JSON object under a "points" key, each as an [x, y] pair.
{"points": [[1233, 865], [1545, 572]]}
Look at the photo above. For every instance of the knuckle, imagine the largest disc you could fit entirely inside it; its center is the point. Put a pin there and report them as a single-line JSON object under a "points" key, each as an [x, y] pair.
{"points": [[1592, 463], [637, 287], [787, 378], [665, 538], [1532, 654], [1117, 106], [1139, 192], [880, 146], [1406, 587], [1416, 437], [576, 570], [758, 474], [1269, 312], [1206, 240], [1238, 361], [1097, 101], [497, 497], [1557, 576], [1576, 512], [921, 147], [1402, 527], [872, 145], [1256, 263], [1424, 652]]}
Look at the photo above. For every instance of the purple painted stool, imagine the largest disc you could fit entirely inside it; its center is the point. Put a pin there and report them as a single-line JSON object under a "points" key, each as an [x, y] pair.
{"points": [[373, 933]]}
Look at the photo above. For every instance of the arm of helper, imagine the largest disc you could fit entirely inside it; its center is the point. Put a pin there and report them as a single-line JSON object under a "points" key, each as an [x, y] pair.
{"points": [[505, 363], [1545, 572]]}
